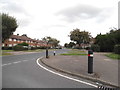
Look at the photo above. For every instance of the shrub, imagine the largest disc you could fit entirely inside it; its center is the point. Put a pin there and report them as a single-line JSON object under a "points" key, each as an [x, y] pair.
{"points": [[87, 48], [6, 48], [95, 48], [19, 48], [33, 48], [77, 47], [43, 47], [117, 49], [24, 44]]}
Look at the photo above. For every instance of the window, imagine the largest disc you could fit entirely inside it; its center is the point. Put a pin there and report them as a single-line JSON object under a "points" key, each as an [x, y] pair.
{"points": [[14, 44], [14, 39], [10, 39], [3, 45], [10, 45]]}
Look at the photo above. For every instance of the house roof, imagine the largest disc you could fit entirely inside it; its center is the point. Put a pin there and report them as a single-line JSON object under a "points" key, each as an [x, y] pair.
{"points": [[25, 38]]}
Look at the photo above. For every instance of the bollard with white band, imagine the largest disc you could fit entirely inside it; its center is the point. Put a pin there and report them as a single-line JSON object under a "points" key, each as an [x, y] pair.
{"points": [[90, 61], [54, 53]]}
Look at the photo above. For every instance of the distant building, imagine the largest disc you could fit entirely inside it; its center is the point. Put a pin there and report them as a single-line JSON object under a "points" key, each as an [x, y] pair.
{"points": [[16, 39]]}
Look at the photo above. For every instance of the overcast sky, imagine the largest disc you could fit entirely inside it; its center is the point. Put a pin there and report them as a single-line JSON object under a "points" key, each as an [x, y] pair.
{"points": [[56, 18]]}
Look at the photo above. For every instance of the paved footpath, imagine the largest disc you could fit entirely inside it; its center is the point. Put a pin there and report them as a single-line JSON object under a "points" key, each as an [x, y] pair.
{"points": [[105, 69]]}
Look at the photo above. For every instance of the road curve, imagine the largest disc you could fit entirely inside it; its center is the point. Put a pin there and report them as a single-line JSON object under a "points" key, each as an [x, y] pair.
{"points": [[22, 71]]}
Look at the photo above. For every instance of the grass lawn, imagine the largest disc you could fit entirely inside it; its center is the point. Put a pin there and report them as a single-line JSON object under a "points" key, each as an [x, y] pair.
{"points": [[4, 54], [75, 52], [7, 50], [37, 50], [113, 56]]}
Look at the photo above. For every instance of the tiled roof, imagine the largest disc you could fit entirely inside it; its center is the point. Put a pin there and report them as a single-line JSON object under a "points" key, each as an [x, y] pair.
{"points": [[20, 37], [25, 38]]}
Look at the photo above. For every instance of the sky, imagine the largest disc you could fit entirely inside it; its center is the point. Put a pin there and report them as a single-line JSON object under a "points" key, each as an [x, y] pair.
{"points": [[57, 18]]}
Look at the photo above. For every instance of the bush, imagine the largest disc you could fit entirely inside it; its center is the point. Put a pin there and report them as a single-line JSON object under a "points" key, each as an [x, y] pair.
{"points": [[23, 44], [77, 47], [117, 49], [95, 48], [43, 47], [19, 48], [6, 48], [87, 48], [33, 48]]}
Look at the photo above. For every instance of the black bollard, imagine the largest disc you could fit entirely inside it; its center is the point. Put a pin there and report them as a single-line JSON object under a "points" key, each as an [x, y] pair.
{"points": [[90, 61], [46, 53]]}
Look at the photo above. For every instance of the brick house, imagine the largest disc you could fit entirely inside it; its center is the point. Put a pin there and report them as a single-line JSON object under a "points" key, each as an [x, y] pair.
{"points": [[16, 39]]}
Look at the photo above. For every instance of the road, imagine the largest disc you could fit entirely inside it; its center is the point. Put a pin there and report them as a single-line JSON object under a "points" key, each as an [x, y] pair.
{"points": [[22, 71]]}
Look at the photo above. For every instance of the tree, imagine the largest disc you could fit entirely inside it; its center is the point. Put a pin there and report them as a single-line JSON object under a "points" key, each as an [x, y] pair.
{"points": [[80, 36], [54, 42], [9, 25], [70, 45], [108, 40], [66, 45]]}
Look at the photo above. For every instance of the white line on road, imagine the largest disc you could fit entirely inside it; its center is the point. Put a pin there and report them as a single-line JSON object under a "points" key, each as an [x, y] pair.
{"points": [[16, 62], [107, 59], [25, 60], [9, 63], [64, 75], [13, 63], [6, 64]]}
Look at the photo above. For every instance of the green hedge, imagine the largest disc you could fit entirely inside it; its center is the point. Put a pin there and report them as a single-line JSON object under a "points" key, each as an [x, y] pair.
{"points": [[6, 48], [117, 49], [95, 48], [19, 48], [23, 44]]}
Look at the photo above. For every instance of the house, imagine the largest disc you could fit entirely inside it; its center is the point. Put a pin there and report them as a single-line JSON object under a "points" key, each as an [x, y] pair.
{"points": [[16, 39]]}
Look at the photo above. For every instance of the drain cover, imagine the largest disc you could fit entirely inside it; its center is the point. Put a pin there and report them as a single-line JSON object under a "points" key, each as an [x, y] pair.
{"points": [[106, 88]]}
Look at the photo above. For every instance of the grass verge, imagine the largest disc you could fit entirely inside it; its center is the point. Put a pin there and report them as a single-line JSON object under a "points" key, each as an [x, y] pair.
{"points": [[4, 54], [113, 56], [37, 50], [75, 52]]}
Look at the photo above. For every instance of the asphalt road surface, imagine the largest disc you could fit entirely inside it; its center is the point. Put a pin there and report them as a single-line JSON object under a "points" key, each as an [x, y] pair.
{"points": [[22, 71]]}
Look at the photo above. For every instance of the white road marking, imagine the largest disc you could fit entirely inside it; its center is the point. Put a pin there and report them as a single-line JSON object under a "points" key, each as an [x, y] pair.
{"points": [[107, 59], [13, 63], [64, 75], [25, 60], [16, 62], [9, 63], [6, 64]]}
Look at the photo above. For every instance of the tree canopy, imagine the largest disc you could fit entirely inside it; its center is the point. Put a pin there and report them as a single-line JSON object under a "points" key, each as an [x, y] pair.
{"points": [[109, 40], [80, 36], [54, 42], [9, 25], [70, 45]]}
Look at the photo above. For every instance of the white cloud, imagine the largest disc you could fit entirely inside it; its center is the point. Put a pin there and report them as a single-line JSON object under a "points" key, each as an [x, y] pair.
{"points": [[85, 12], [56, 18]]}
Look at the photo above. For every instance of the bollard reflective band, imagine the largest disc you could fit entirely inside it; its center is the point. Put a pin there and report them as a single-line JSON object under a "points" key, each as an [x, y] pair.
{"points": [[91, 55]]}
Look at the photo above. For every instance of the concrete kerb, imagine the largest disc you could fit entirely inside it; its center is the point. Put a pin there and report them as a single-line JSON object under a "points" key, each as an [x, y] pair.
{"points": [[96, 80]]}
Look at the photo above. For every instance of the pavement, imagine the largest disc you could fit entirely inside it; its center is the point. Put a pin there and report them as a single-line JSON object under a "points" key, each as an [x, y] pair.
{"points": [[105, 70]]}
